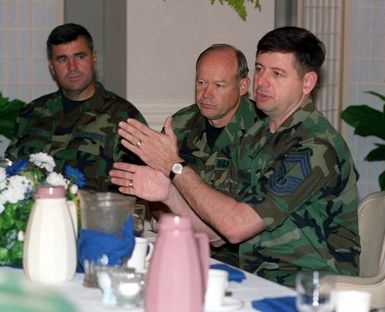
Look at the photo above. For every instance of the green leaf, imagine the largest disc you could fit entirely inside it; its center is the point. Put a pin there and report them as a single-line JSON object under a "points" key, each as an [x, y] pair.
{"points": [[9, 110], [13, 219], [8, 222], [16, 253], [380, 96], [376, 154], [366, 120], [3, 253], [239, 6], [381, 181]]}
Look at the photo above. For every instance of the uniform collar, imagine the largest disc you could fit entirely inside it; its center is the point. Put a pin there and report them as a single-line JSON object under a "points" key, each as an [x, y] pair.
{"points": [[245, 117], [299, 116]]}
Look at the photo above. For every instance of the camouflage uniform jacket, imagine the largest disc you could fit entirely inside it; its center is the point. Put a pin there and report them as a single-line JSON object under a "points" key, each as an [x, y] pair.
{"points": [[85, 138], [213, 164], [301, 180]]}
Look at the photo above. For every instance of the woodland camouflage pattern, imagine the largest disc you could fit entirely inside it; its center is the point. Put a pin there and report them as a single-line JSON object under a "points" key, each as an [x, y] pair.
{"points": [[213, 165], [301, 180], [85, 138]]}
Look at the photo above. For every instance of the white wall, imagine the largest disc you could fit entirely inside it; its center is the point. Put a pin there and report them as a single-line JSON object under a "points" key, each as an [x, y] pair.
{"points": [[366, 71], [165, 37], [24, 27]]}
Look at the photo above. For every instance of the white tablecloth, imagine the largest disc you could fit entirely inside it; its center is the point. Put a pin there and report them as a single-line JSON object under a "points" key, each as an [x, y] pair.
{"points": [[90, 299]]}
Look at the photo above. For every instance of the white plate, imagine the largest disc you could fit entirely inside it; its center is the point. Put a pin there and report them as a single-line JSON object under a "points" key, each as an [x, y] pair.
{"points": [[229, 304]]}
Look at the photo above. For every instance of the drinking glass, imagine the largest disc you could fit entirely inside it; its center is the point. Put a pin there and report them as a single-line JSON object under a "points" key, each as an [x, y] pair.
{"points": [[314, 292], [128, 288]]}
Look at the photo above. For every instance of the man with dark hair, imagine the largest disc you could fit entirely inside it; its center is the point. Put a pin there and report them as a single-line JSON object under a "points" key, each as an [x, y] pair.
{"points": [[67, 33], [293, 202], [76, 125]]}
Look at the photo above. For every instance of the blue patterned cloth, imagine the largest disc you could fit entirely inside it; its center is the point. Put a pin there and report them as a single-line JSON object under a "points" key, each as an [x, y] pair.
{"points": [[94, 245], [281, 304]]}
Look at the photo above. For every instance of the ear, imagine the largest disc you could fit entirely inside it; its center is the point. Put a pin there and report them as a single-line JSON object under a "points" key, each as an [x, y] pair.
{"points": [[94, 58], [51, 70], [244, 86], [309, 82]]}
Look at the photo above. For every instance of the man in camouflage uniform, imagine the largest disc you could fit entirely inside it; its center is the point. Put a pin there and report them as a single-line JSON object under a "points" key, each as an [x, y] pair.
{"points": [[208, 130], [294, 202], [301, 182], [78, 124]]}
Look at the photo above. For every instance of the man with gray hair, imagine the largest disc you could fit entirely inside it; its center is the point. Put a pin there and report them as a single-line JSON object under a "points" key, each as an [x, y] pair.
{"points": [[209, 131]]}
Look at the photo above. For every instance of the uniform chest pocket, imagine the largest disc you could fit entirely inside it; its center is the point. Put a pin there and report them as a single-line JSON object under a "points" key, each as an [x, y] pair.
{"points": [[89, 142]]}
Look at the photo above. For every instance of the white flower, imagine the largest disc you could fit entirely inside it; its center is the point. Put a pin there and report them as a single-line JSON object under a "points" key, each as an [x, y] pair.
{"points": [[3, 178], [17, 187], [20, 236], [42, 160], [57, 179], [3, 201], [74, 189]]}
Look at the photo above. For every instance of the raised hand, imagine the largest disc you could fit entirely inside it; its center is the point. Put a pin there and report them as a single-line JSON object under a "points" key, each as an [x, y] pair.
{"points": [[156, 149], [142, 181]]}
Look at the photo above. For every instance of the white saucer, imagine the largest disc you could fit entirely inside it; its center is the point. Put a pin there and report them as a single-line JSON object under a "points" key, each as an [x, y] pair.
{"points": [[229, 304]]}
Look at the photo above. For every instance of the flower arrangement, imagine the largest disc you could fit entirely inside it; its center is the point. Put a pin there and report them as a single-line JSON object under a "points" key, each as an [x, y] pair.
{"points": [[18, 183]]}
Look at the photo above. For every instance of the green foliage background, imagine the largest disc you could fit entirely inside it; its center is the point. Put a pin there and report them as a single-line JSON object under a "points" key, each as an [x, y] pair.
{"points": [[368, 121], [9, 110], [239, 6]]}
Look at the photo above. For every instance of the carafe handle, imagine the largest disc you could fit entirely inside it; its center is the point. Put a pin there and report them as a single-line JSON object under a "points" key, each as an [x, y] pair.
{"points": [[150, 251], [74, 216], [204, 254]]}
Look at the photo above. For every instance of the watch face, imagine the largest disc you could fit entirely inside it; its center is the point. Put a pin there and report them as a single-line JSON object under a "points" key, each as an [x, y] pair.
{"points": [[177, 168]]}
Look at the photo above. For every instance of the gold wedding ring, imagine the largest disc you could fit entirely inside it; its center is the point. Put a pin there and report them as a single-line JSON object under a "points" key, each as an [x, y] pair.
{"points": [[139, 143], [130, 183]]}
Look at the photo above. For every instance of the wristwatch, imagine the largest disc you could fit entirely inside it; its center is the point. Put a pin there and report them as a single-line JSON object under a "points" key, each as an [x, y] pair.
{"points": [[176, 169]]}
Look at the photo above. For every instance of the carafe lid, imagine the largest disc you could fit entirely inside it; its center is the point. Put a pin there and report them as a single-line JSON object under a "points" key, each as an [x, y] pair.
{"points": [[50, 191], [170, 221]]}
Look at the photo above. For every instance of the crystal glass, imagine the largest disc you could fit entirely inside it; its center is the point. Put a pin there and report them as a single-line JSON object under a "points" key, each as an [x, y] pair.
{"points": [[314, 292], [104, 280], [128, 288]]}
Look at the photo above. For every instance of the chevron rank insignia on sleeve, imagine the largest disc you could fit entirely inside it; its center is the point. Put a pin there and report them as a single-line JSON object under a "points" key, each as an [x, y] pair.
{"points": [[284, 184]]}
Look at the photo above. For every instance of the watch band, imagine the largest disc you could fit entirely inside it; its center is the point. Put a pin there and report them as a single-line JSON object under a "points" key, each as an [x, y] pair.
{"points": [[173, 173]]}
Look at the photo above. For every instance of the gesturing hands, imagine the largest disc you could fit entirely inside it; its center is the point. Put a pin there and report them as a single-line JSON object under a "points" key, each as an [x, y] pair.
{"points": [[156, 149], [141, 181]]}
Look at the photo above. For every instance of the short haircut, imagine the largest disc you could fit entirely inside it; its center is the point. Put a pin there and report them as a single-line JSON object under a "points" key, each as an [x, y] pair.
{"points": [[308, 50], [66, 33], [243, 69]]}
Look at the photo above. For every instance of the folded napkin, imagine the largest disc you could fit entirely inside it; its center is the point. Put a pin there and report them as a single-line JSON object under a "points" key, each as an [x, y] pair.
{"points": [[234, 274], [94, 245], [281, 304]]}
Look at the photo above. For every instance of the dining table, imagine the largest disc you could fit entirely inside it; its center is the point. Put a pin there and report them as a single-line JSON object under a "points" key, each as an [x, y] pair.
{"points": [[86, 299]]}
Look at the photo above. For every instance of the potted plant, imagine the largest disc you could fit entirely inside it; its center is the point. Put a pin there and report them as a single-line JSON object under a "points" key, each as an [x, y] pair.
{"points": [[9, 110], [368, 121]]}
